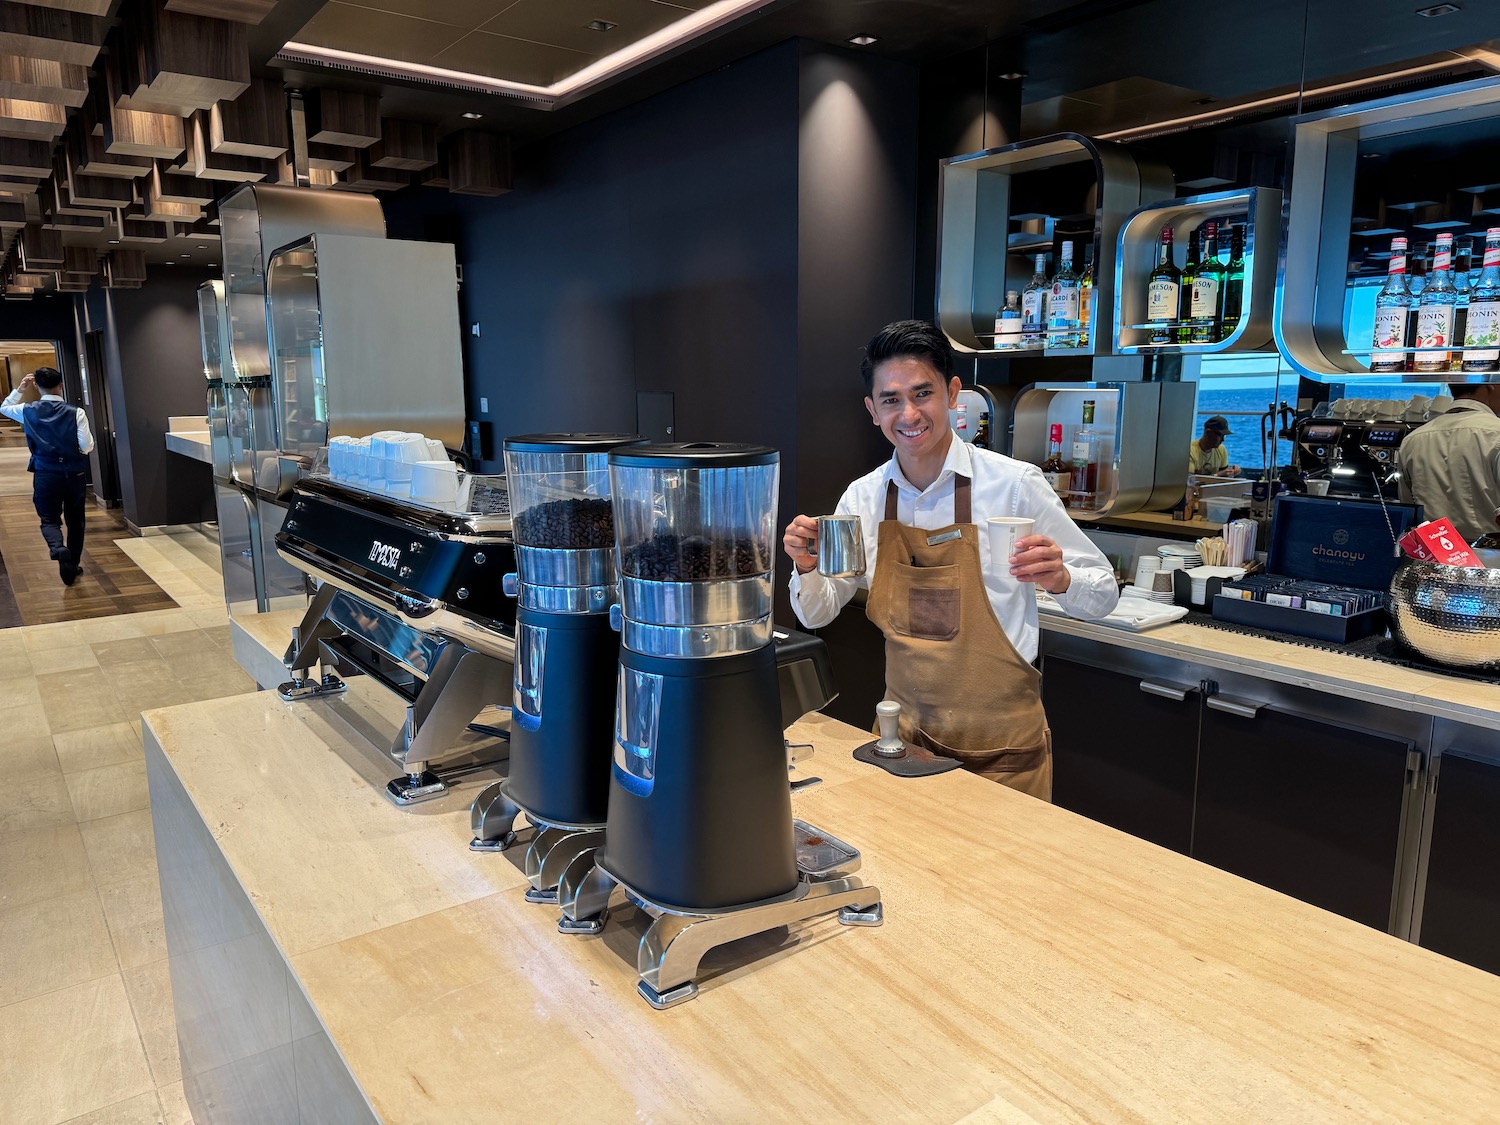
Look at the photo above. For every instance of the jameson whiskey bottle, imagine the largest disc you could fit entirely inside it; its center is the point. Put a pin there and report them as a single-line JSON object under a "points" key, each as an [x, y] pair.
{"points": [[1161, 293], [1393, 306], [1207, 286], [1482, 332], [1183, 334], [1234, 283]]}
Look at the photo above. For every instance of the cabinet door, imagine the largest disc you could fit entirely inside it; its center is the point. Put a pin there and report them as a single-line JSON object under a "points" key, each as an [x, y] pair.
{"points": [[1124, 749], [1305, 806], [1461, 909]]}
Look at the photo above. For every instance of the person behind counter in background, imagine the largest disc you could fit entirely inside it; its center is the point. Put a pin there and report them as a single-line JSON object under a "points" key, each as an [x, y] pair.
{"points": [[1207, 456], [1451, 465], [960, 627], [58, 436]]}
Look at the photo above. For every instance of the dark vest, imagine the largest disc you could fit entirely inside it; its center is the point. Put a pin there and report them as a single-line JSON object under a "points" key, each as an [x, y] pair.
{"points": [[52, 436]]}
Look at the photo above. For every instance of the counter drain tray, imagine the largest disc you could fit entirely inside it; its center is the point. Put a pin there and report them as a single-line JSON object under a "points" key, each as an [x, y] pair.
{"points": [[820, 855]]}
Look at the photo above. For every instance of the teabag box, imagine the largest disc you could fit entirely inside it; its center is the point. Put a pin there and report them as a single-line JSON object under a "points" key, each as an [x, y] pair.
{"points": [[1338, 542], [1438, 541]]}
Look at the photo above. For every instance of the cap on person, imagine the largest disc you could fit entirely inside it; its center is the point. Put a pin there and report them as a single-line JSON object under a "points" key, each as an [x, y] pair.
{"points": [[1218, 423]]}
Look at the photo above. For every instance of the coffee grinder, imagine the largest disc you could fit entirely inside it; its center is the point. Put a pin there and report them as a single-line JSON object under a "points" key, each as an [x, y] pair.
{"points": [[700, 832], [567, 655]]}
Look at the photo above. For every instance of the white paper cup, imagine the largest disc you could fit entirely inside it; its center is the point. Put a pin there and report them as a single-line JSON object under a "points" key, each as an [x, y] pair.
{"points": [[1004, 532], [1318, 487]]}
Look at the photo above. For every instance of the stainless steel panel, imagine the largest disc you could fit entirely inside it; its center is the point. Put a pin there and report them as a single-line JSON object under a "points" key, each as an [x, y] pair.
{"points": [[696, 640], [410, 648], [545, 566], [568, 599], [718, 602]]}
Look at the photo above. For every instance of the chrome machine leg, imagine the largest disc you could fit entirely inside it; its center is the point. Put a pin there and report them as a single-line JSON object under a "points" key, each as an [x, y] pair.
{"points": [[461, 684], [552, 852], [492, 817], [584, 891], [303, 655]]}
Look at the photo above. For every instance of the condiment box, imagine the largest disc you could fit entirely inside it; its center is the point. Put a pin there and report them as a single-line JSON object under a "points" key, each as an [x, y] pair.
{"points": [[1340, 542]]}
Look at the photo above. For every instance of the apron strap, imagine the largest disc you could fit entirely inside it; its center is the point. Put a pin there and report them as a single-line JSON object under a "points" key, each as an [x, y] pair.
{"points": [[963, 509], [890, 500]]}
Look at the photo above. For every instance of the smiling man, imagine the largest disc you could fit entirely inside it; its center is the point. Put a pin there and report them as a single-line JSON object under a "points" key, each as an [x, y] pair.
{"points": [[960, 627]]}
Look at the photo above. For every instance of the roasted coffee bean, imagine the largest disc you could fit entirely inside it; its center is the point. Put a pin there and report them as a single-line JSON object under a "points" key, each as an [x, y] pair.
{"points": [[571, 524], [674, 558]]}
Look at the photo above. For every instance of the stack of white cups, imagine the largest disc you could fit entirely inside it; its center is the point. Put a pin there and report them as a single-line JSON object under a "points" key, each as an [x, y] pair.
{"points": [[385, 462]]}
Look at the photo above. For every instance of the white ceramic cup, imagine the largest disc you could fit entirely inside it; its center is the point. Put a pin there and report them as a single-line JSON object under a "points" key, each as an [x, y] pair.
{"points": [[1318, 487], [1004, 532]]}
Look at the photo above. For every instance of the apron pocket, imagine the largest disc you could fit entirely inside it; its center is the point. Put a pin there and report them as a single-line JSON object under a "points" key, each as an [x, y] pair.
{"points": [[931, 614], [994, 762]]}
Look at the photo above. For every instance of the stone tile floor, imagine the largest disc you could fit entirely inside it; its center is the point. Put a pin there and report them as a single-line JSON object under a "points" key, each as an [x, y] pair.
{"points": [[87, 1032]]}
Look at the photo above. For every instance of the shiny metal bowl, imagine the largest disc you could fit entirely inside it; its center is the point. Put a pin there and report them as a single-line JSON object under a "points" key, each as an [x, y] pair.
{"points": [[1450, 614]]}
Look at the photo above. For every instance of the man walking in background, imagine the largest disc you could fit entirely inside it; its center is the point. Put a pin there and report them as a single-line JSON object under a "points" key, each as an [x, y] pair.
{"points": [[59, 439]]}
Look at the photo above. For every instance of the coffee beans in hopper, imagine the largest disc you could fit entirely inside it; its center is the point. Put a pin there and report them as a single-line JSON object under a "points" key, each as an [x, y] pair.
{"points": [[674, 558], [573, 524]]}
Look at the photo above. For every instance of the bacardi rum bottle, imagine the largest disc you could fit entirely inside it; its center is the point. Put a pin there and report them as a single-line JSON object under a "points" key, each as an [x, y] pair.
{"points": [[1436, 308], [1482, 332], [1062, 304], [1393, 306], [1161, 293]]}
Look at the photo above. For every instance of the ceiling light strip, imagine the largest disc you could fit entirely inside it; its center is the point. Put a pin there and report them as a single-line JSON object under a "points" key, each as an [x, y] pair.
{"points": [[702, 22]]}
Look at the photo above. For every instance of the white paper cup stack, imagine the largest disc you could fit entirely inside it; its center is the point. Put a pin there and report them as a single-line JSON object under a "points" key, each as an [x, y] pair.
{"points": [[1146, 567]]}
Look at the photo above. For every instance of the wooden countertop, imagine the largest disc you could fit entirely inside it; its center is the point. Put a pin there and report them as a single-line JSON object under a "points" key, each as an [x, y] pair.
{"points": [[1033, 965], [1154, 523], [1372, 681]]}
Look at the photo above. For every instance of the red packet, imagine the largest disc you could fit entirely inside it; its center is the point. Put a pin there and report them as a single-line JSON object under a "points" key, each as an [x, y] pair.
{"points": [[1438, 541]]}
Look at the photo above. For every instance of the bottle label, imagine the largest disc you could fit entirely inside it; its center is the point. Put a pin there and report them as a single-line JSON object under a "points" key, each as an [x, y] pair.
{"points": [[1398, 263], [1161, 300], [1390, 327], [1482, 331], [1031, 309], [1063, 308], [1080, 453], [1008, 326], [1434, 327], [1492, 255], [1442, 260], [1060, 482], [1205, 297]]}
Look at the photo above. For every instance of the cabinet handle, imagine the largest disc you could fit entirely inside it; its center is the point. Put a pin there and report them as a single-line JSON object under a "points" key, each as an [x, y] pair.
{"points": [[1233, 706], [1166, 691]]}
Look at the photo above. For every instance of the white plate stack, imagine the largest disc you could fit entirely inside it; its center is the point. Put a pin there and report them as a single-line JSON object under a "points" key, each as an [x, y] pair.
{"points": [[1179, 556]]}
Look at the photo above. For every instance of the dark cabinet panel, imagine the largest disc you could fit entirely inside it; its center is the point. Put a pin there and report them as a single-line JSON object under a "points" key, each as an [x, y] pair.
{"points": [[1120, 755], [1309, 808], [1461, 911]]}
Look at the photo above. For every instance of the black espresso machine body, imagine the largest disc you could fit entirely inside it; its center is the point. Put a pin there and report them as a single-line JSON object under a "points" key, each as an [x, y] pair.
{"points": [[1360, 458]]}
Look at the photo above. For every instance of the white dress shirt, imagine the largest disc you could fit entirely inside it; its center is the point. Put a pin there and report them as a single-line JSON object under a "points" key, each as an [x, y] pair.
{"points": [[1001, 487], [13, 407]]}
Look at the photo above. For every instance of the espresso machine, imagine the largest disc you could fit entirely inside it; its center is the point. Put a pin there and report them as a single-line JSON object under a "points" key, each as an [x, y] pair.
{"points": [[567, 655], [699, 832], [1361, 458]]}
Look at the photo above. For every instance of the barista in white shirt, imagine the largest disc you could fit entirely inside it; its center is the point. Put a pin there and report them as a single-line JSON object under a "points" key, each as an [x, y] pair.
{"points": [[960, 627]]}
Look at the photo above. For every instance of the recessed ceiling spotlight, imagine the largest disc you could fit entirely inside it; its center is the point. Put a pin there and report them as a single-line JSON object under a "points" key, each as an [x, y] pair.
{"points": [[1438, 10], [863, 40], [169, 263], [114, 242], [602, 25], [1371, 155], [471, 115], [184, 255]]}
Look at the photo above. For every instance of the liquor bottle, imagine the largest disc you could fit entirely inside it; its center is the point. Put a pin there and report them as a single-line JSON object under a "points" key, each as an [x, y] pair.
{"points": [[1008, 323], [1086, 297], [1058, 472], [1034, 307], [1234, 283], [1416, 282], [1183, 334], [1085, 460], [1462, 263], [1161, 293], [1206, 288], [1435, 309], [1393, 305], [1062, 305], [1482, 333]]}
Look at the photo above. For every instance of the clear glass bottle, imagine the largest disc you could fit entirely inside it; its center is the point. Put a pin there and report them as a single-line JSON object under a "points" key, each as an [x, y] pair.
{"points": [[1086, 297], [1034, 306], [1162, 291], [1416, 281], [1085, 461], [1207, 284], [1482, 332], [1008, 323], [1435, 309], [1233, 295], [1393, 305], [1059, 473], [1462, 263], [1062, 305]]}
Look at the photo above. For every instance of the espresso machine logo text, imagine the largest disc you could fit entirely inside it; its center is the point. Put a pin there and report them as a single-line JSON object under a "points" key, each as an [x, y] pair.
{"points": [[384, 555]]}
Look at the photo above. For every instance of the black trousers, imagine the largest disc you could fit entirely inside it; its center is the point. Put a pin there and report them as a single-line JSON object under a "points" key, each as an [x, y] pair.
{"points": [[59, 499]]}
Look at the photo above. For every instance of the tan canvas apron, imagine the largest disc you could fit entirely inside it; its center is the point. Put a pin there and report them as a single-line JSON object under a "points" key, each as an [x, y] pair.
{"points": [[965, 692]]}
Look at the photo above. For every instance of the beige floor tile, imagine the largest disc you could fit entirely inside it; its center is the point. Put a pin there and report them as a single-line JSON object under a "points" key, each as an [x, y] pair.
{"points": [[13, 651], [79, 750], [63, 658], [210, 616], [79, 699], [143, 1109], [39, 865], [26, 756], [150, 992], [166, 621], [39, 802], [18, 690], [230, 681], [123, 651], [148, 697], [118, 628], [153, 670], [53, 944], [63, 634], [174, 1106], [70, 1052], [108, 790], [186, 643], [29, 719], [134, 913], [219, 634], [120, 847]]}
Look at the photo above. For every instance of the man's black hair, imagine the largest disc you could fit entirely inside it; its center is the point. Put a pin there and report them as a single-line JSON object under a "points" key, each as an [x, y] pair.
{"points": [[48, 378], [915, 339]]}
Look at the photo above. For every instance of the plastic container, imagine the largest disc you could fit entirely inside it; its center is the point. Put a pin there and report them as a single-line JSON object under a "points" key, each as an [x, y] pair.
{"points": [[559, 489], [1217, 509]]}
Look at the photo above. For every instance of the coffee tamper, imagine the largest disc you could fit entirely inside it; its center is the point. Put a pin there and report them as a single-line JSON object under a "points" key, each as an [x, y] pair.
{"points": [[888, 713]]}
